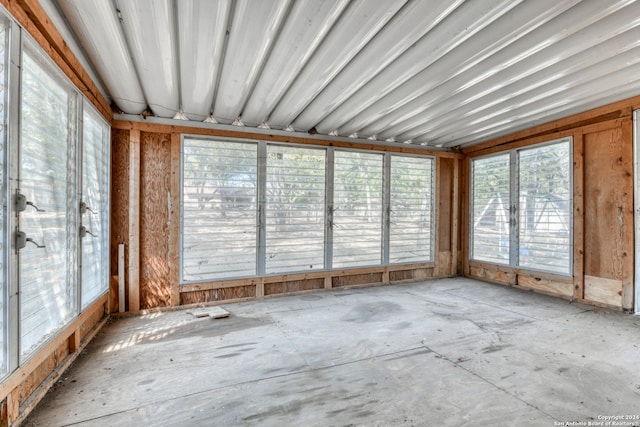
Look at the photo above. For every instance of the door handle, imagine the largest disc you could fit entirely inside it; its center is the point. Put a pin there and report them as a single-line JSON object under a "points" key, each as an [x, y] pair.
{"points": [[22, 203], [22, 240], [84, 208], [84, 232]]}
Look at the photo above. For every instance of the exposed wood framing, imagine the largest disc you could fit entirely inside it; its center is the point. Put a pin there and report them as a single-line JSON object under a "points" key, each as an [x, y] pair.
{"points": [[161, 128], [24, 388], [602, 208], [155, 194], [546, 283], [436, 219], [152, 226], [627, 214], [604, 219], [326, 275], [616, 110], [443, 215], [134, 220], [455, 217], [465, 198], [119, 216], [578, 216], [174, 221]]}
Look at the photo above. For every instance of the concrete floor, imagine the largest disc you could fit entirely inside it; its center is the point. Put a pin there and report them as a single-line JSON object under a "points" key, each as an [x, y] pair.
{"points": [[440, 353]]}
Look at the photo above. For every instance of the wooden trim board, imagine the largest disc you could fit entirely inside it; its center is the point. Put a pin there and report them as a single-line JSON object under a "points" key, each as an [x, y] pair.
{"points": [[134, 221], [20, 374]]}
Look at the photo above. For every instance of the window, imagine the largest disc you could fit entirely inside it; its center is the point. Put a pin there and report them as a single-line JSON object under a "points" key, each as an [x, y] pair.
{"points": [[357, 209], [95, 205], [256, 208], [522, 204], [411, 213], [545, 208], [54, 153], [219, 209], [4, 60], [490, 216], [47, 265], [294, 209]]}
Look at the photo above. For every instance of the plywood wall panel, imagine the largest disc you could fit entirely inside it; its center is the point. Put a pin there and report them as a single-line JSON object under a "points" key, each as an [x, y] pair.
{"points": [[224, 294], [445, 202], [410, 275], [604, 184], [604, 291], [155, 170], [119, 203], [293, 286], [546, 286], [608, 211], [357, 279]]}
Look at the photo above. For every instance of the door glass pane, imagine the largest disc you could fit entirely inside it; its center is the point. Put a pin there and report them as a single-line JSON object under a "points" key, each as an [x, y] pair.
{"points": [[490, 215], [219, 209], [411, 219], [95, 196], [294, 209], [4, 38], [47, 273], [545, 208], [357, 217]]}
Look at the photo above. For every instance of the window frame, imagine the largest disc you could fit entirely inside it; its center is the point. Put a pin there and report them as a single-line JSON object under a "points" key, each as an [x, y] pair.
{"points": [[514, 214], [19, 44], [332, 206], [31, 49], [433, 204], [263, 180], [87, 109], [328, 206], [259, 235]]}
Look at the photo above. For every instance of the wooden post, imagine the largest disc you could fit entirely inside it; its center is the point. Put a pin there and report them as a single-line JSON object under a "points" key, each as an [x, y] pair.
{"points": [[436, 220], [260, 288], [465, 215], [628, 256], [121, 280], [386, 276], [74, 341], [134, 220], [578, 216], [174, 220], [13, 406], [455, 217]]}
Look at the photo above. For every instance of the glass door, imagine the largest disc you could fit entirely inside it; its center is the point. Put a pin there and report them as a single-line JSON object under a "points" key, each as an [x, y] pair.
{"points": [[94, 206], [46, 203]]}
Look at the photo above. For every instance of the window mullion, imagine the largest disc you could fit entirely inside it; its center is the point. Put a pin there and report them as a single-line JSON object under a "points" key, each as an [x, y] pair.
{"points": [[513, 209], [260, 218], [79, 162], [386, 210], [15, 51], [329, 206]]}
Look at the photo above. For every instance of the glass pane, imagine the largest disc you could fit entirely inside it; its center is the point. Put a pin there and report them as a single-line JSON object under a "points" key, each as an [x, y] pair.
{"points": [[47, 274], [357, 217], [294, 209], [411, 198], [545, 208], [95, 194], [4, 37], [490, 216], [219, 209]]}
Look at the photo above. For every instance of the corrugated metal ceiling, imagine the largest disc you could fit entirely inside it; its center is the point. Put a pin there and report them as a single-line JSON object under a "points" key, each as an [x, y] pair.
{"points": [[439, 73]]}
